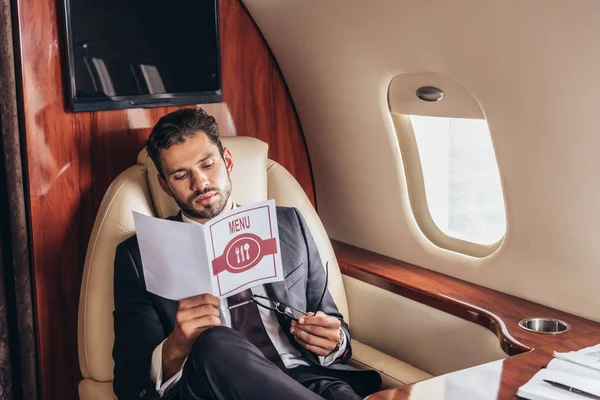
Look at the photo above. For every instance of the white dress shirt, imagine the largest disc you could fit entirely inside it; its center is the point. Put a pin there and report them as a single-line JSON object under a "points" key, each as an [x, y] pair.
{"points": [[290, 356]]}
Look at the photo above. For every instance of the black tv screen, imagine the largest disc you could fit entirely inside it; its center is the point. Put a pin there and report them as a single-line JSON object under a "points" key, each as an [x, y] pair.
{"points": [[133, 53]]}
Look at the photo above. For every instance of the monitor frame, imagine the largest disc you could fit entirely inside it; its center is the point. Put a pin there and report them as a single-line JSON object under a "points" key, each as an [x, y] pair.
{"points": [[76, 104]]}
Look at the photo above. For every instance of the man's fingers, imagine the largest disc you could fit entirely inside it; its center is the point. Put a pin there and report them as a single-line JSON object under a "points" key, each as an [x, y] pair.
{"points": [[320, 320], [200, 323], [196, 312], [199, 300], [326, 333], [313, 348], [308, 338]]}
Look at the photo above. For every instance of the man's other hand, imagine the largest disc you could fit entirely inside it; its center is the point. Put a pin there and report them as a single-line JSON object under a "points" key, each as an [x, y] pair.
{"points": [[194, 316], [318, 333]]}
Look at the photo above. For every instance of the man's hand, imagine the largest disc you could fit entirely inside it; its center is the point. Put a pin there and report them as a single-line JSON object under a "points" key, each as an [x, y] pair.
{"points": [[318, 333], [194, 316]]}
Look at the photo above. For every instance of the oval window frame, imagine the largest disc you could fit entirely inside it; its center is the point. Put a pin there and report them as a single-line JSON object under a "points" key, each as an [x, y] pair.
{"points": [[403, 102]]}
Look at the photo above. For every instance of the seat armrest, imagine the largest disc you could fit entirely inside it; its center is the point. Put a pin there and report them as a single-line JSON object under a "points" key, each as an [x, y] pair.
{"points": [[394, 373]]}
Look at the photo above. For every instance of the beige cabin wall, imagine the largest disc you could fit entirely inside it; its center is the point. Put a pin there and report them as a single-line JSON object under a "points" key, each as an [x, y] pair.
{"points": [[533, 67]]}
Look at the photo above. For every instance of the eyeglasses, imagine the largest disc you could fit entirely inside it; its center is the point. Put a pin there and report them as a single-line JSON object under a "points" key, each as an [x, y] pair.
{"points": [[282, 308], [277, 306]]}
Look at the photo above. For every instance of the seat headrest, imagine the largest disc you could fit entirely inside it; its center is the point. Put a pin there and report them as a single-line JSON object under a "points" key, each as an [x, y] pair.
{"points": [[249, 177]]}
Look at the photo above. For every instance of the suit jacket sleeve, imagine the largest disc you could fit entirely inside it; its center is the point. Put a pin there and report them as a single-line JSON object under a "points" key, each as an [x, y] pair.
{"points": [[138, 329], [315, 286]]}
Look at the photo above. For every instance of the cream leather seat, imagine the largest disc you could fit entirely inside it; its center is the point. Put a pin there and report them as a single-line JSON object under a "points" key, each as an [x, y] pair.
{"points": [[255, 178]]}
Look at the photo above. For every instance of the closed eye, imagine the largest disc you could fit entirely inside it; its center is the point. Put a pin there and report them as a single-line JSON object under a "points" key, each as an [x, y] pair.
{"points": [[180, 177]]}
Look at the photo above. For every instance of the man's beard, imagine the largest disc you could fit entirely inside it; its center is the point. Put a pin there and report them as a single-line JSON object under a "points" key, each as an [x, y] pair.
{"points": [[210, 210]]}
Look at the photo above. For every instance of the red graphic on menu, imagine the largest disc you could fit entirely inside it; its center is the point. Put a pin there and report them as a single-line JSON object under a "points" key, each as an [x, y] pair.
{"points": [[243, 252]]}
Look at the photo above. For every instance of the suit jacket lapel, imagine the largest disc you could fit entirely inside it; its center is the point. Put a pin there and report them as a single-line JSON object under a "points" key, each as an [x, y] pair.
{"points": [[278, 291]]}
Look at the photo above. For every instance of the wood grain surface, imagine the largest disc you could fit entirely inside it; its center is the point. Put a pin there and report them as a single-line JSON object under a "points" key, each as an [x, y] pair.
{"points": [[515, 372], [72, 158], [494, 310]]}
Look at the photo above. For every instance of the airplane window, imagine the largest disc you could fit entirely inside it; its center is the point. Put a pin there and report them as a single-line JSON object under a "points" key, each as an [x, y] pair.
{"points": [[461, 179]]}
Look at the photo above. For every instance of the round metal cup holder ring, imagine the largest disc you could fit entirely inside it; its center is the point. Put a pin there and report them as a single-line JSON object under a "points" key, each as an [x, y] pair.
{"points": [[546, 326]]}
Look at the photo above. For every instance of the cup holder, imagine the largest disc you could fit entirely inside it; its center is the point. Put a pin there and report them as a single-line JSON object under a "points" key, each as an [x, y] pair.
{"points": [[548, 326]]}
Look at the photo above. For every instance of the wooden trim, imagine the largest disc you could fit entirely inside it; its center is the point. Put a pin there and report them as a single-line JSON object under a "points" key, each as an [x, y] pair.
{"points": [[516, 371], [496, 311]]}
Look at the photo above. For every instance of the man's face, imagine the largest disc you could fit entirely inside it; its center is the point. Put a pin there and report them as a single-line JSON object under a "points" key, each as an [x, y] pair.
{"points": [[197, 177]]}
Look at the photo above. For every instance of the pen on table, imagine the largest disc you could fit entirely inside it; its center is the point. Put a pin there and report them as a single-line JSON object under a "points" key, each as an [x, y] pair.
{"points": [[572, 390]]}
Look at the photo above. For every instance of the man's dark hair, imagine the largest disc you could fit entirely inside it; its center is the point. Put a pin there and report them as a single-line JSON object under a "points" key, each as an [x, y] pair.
{"points": [[177, 127]]}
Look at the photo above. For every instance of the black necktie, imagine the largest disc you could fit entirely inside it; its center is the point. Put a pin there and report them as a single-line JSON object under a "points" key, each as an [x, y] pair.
{"points": [[246, 320]]}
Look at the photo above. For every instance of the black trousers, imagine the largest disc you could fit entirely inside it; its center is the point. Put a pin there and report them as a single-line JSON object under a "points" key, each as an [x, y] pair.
{"points": [[223, 365]]}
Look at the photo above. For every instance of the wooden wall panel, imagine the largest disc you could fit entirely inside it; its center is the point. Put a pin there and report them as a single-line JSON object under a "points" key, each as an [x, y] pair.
{"points": [[72, 158]]}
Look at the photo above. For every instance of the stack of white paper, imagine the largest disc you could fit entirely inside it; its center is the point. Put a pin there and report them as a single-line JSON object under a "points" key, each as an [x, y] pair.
{"points": [[573, 369], [589, 357]]}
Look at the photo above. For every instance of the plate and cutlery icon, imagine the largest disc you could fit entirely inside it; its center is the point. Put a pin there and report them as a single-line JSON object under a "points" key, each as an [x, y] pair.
{"points": [[242, 253]]}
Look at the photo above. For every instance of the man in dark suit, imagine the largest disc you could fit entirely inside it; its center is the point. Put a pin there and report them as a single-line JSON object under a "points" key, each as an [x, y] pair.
{"points": [[206, 348]]}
